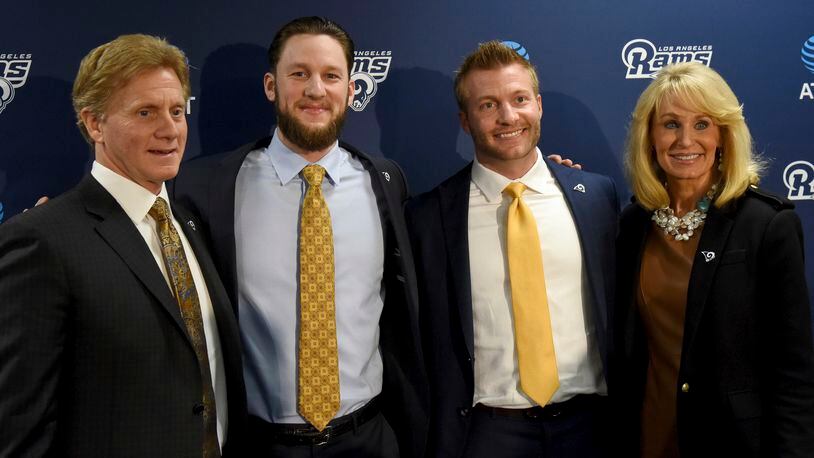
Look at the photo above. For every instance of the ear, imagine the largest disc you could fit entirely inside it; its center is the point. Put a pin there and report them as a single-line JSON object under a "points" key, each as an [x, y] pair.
{"points": [[464, 122], [268, 86], [540, 105], [92, 124], [351, 91]]}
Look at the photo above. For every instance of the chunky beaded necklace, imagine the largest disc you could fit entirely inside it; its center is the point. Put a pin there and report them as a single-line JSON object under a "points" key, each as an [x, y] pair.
{"points": [[683, 228]]}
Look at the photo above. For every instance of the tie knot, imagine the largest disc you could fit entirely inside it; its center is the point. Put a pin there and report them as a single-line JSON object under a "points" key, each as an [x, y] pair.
{"points": [[515, 189], [160, 211], [313, 175]]}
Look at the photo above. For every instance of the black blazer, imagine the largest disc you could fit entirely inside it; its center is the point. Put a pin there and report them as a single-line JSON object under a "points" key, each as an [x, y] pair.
{"points": [[747, 358], [207, 186], [95, 360], [438, 226]]}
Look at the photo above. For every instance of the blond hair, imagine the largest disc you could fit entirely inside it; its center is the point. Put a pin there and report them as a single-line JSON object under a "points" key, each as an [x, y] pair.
{"points": [[110, 66], [489, 56], [703, 89]]}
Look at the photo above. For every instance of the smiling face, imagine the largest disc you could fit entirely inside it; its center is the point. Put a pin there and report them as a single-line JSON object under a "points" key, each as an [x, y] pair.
{"points": [[143, 131], [685, 143], [502, 113], [311, 89]]}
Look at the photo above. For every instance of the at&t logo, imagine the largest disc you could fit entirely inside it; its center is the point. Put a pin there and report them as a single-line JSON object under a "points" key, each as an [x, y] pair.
{"points": [[807, 56], [643, 59], [14, 70], [370, 69], [799, 178]]}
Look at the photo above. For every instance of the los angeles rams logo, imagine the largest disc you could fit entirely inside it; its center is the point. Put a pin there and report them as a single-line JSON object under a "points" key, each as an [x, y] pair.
{"points": [[799, 178], [14, 69], [370, 68], [643, 59]]}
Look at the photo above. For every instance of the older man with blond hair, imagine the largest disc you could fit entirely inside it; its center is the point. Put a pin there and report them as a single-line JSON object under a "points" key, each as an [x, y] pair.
{"points": [[118, 337]]}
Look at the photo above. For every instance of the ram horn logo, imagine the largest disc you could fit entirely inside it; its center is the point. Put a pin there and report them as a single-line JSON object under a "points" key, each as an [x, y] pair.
{"points": [[365, 89], [6, 93]]}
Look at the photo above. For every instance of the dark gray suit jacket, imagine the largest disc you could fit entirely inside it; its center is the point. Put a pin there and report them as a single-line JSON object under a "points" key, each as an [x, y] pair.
{"points": [[95, 360]]}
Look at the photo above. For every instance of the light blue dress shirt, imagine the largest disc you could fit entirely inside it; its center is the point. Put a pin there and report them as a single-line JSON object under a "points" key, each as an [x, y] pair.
{"points": [[269, 192]]}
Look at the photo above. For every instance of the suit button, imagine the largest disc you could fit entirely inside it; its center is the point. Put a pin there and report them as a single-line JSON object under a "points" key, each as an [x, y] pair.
{"points": [[198, 409], [463, 411], [685, 388]]}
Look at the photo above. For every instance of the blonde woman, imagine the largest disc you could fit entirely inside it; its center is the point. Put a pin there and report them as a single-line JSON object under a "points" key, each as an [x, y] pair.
{"points": [[713, 336]]}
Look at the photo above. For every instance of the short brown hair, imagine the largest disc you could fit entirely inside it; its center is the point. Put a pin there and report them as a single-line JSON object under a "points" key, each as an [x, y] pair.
{"points": [[491, 55], [110, 66], [310, 25]]}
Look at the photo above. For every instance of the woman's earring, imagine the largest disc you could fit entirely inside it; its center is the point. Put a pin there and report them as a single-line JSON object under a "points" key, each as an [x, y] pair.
{"points": [[720, 159]]}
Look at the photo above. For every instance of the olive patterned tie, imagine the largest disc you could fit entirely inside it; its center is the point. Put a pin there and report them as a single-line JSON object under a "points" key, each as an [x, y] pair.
{"points": [[183, 288], [532, 323], [318, 364]]}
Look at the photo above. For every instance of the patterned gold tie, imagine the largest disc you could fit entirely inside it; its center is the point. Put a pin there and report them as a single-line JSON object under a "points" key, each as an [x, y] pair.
{"points": [[185, 293], [318, 381], [532, 323]]}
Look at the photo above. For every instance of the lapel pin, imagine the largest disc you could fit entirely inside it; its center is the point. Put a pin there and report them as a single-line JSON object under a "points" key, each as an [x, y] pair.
{"points": [[386, 176], [708, 255], [191, 225], [580, 188]]}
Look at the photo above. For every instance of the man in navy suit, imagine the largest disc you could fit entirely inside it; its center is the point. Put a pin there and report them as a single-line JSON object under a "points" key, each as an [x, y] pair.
{"points": [[479, 406], [249, 201]]}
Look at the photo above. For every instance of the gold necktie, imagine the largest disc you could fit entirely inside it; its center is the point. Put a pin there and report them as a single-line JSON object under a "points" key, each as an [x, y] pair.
{"points": [[183, 287], [532, 323], [318, 382]]}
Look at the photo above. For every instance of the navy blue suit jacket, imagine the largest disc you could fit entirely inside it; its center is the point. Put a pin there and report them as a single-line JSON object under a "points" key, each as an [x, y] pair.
{"points": [[438, 227]]}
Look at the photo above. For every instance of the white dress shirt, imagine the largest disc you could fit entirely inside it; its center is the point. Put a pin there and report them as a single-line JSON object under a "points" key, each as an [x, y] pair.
{"points": [[268, 197], [136, 201], [497, 379]]}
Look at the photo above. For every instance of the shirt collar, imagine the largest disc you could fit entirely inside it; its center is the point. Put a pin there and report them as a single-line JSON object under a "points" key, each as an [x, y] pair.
{"points": [[135, 200], [289, 164], [491, 183]]}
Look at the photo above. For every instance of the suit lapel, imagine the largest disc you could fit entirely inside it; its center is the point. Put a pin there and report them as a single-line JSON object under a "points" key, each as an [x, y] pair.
{"points": [[714, 236], [393, 226], [224, 315], [116, 228], [631, 250], [454, 203], [579, 199]]}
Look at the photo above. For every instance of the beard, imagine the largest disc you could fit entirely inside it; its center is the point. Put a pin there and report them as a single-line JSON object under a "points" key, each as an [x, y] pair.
{"points": [[309, 138]]}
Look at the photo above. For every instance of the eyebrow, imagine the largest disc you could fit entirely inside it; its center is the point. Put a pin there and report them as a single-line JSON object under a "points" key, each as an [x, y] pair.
{"points": [[304, 65], [675, 115]]}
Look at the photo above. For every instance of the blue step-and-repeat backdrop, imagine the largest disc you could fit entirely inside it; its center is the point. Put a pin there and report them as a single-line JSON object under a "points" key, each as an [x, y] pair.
{"points": [[594, 58]]}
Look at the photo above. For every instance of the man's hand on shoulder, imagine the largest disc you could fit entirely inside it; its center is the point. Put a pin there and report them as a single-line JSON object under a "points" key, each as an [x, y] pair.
{"points": [[566, 162], [39, 202]]}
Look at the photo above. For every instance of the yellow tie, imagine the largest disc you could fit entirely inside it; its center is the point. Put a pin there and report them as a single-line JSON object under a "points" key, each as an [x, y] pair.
{"points": [[532, 323], [183, 287], [318, 383]]}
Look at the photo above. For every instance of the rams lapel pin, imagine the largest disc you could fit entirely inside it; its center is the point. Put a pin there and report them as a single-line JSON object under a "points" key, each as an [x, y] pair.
{"points": [[708, 255], [386, 176], [191, 225], [580, 188]]}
